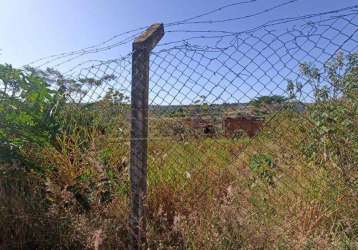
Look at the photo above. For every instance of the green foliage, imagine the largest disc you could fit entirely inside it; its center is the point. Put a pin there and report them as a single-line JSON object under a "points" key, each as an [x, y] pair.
{"points": [[27, 110], [34, 111], [333, 136], [263, 166], [267, 100]]}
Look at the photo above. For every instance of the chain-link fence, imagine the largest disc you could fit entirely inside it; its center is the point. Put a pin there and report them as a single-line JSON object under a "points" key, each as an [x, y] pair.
{"points": [[252, 135]]}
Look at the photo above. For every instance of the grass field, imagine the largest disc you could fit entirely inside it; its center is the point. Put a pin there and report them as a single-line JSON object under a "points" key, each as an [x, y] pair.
{"points": [[64, 180]]}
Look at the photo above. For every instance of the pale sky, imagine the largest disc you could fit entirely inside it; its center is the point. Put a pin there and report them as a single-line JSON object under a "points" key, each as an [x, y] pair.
{"points": [[30, 29]]}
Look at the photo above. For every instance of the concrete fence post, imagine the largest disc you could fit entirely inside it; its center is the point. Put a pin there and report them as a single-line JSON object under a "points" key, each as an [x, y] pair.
{"points": [[142, 47]]}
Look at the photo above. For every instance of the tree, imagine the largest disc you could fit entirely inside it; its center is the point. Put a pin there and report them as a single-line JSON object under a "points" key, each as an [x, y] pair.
{"points": [[34, 106], [267, 100], [334, 113], [27, 109]]}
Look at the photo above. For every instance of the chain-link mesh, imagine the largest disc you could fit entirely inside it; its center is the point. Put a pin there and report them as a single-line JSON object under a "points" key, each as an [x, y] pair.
{"points": [[252, 134], [250, 119]]}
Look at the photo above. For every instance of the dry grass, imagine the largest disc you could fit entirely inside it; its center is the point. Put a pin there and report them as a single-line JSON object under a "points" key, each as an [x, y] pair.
{"points": [[202, 195]]}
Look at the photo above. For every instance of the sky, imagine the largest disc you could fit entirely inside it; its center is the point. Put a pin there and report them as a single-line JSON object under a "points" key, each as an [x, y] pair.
{"points": [[31, 29]]}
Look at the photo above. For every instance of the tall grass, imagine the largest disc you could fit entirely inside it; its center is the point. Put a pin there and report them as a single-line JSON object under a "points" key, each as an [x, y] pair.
{"points": [[204, 193]]}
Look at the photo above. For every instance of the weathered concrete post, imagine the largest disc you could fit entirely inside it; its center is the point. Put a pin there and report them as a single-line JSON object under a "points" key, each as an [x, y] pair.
{"points": [[142, 47]]}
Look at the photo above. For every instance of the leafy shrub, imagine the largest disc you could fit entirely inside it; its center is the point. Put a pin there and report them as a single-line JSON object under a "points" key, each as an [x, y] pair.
{"points": [[333, 136], [263, 166], [266, 100], [27, 110]]}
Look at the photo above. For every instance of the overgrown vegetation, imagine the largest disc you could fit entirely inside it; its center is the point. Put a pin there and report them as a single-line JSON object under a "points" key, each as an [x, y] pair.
{"points": [[64, 169]]}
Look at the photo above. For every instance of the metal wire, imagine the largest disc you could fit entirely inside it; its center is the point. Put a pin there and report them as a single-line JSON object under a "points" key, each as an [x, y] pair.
{"points": [[207, 77]]}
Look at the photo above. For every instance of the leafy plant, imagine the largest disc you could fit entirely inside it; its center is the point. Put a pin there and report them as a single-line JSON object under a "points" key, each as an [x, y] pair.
{"points": [[27, 110], [266, 100], [333, 136], [263, 166]]}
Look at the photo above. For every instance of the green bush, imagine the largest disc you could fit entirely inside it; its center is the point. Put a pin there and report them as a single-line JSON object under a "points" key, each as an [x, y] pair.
{"points": [[333, 136], [262, 165], [27, 111]]}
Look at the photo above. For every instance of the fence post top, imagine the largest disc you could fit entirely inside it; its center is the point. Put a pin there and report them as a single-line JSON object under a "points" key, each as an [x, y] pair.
{"points": [[150, 37]]}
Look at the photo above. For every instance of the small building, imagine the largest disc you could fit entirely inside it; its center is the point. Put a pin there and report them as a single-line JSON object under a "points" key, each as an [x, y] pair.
{"points": [[251, 125], [204, 125]]}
